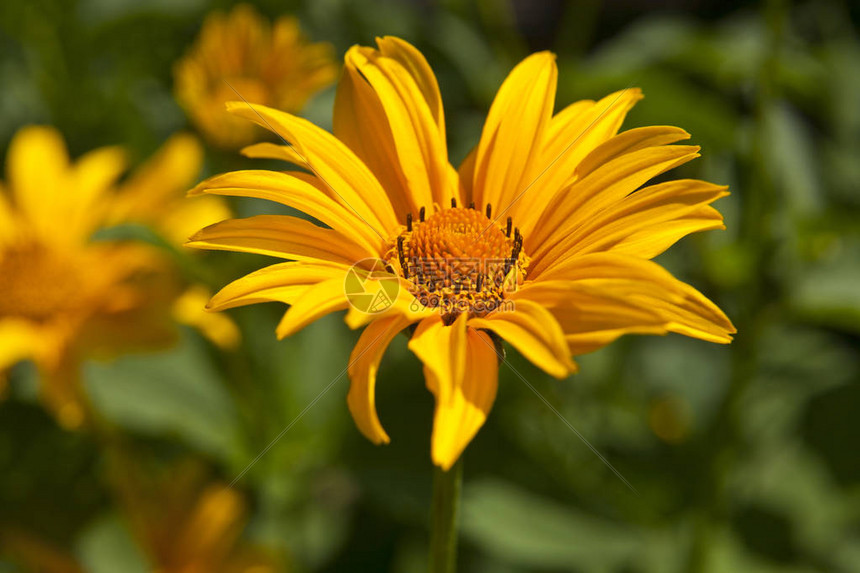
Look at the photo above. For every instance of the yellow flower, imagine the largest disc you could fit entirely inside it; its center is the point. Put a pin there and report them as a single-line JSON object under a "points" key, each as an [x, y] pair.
{"points": [[63, 295], [271, 65], [542, 238], [154, 195], [184, 523]]}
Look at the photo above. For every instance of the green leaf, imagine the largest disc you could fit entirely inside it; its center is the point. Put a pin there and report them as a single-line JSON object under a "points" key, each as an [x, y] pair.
{"points": [[176, 392], [107, 547], [517, 526], [827, 293]]}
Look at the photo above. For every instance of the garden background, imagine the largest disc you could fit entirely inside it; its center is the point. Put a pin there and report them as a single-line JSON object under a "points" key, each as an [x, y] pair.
{"points": [[745, 457]]}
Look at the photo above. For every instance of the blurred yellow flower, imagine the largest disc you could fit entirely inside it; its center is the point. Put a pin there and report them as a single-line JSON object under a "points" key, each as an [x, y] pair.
{"points": [[64, 296], [542, 238], [184, 523], [267, 64], [154, 194], [26, 549]]}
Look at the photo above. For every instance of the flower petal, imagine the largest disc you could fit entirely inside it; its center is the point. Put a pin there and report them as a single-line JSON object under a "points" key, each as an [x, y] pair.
{"points": [[288, 190], [442, 349], [280, 236], [581, 127], [646, 285], [185, 217], [268, 150], [650, 220], [602, 187], [317, 301], [59, 200], [405, 304], [163, 178], [466, 176], [381, 101], [282, 282], [92, 176], [591, 317], [359, 121], [8, 218], [37, 165], [654, 239], [347, 180], [570, 136], [506, 161], [414, 62], [363, 366], [459, 417], [628, 142], [533, 331], [19, 340], [190, 309]]}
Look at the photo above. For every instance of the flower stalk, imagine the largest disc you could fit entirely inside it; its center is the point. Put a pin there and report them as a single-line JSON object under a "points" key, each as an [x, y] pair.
{"points": [[447, 486]]}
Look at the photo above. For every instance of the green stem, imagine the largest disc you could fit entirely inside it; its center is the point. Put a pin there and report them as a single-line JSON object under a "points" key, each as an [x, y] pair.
{"points": [[446, 506]]}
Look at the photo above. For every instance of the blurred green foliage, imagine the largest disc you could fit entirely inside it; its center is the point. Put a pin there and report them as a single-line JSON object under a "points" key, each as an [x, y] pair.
{"points": [[745, 457]]}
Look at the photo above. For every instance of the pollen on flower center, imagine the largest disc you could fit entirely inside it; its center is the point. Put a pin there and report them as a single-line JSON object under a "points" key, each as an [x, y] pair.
{"points": [[460, 260]]}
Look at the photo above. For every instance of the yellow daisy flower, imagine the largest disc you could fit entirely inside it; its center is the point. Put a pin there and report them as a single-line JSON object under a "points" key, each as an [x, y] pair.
{"points": [[268, 64], [542, 238], [64, 296]]}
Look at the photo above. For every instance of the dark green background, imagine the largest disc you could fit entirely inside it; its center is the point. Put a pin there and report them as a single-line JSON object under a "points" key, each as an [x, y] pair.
{"points": [[766, 474]]}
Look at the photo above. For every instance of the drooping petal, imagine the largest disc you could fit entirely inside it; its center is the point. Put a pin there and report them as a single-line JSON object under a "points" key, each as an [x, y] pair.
{"points": [[533, 331], [442, 349], [280, 236], [347, 179], [459, 417], [363, 366], [288, 190], [510, 145], [61, 391]]}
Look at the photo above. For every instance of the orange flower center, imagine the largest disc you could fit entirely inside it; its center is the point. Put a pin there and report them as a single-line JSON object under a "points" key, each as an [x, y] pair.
{"points": [[37, 284], [459, 260]]}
